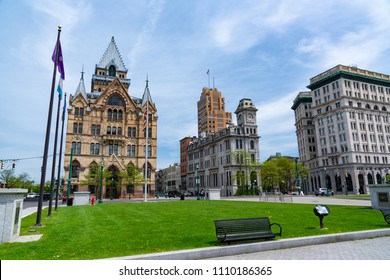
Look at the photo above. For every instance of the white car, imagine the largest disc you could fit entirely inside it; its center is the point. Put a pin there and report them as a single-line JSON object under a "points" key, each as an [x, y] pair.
{"points": [[32, 195], [323, 191]]}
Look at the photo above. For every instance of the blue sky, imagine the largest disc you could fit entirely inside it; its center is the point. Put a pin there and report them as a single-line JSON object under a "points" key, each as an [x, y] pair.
{"points": [[266, 50]]}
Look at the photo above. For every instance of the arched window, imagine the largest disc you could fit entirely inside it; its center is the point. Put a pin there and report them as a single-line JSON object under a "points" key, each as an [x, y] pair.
{"points": [[252, 144], [329, 108], [114, 115], [75, 169], [109, 114], [376, 107], [368, 106], [384, 108], [112, 71], [120, 115], [115, 100]]}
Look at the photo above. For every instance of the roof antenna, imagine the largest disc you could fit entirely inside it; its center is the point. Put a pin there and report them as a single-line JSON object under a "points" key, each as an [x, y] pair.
{"points": [[82, 72]]}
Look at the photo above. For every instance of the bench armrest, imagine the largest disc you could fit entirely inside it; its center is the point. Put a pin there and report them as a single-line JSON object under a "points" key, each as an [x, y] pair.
{"points": [[386, 215], [218, 229], [280, 228]]}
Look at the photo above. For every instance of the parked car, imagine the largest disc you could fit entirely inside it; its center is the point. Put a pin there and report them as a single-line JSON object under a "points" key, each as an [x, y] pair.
{"points": [[187, 193], [323, 191], [174, 194], [32, 195]]}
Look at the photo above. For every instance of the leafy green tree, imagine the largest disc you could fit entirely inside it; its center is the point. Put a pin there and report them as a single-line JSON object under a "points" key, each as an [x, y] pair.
{"points": [[281, 173], [7, 177], [247, 169], [131, 177], [92, 179]]}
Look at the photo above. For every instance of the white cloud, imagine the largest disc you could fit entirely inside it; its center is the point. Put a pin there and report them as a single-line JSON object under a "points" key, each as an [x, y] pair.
{"points": [[143, 41]]}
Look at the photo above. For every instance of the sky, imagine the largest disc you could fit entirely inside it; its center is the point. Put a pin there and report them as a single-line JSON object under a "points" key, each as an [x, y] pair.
{"points": [[265, 50]]}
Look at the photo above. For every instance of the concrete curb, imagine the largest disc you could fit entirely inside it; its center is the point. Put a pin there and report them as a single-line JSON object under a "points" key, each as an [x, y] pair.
{"points": [[229, 250]]}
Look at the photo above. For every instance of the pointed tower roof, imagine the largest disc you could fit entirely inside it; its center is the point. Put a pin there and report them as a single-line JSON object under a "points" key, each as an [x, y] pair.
{"points": [[81, 86], [146, 97], [112, 57]]}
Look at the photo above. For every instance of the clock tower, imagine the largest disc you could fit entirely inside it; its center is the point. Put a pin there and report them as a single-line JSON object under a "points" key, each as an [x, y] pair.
{"points": [[246, 113]]}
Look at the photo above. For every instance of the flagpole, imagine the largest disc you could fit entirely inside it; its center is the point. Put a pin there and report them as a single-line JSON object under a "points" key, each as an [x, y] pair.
{"points": [[146, 147], [53, 167], [208, 77], [47, 138], [59, 160]]}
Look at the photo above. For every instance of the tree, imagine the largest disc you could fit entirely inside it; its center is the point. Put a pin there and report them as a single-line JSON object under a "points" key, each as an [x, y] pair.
{"points": [[92, 179], [247, 169], [131, 177], [269, 176], [282, 173], [7, 177]]}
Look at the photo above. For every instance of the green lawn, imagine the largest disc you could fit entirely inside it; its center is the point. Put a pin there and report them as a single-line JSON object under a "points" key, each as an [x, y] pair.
{"points": [[120, 229]]}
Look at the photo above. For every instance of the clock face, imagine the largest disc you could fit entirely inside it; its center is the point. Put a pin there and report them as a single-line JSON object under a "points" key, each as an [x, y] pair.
{"points": [[250, 117]]}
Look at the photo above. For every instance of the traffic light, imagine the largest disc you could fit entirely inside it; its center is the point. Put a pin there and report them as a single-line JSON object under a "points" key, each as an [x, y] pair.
{"points": [[13, 166], [2, 165]]}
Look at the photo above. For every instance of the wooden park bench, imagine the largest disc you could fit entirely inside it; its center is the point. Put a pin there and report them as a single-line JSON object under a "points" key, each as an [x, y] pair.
{"points": [[386, 215], [245, 229]]}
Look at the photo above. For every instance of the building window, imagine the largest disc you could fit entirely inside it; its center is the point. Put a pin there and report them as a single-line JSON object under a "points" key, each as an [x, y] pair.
{"points": [[77, 128], [78, 112], [132, 132], [94, 149], [131, 150], [115, 100], [95, 129], [76, 148], [149, 150], [112, 71], [149, 132]]}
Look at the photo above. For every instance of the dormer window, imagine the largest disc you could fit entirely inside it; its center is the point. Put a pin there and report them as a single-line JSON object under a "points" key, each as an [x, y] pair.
{"points": [[112, 71]]}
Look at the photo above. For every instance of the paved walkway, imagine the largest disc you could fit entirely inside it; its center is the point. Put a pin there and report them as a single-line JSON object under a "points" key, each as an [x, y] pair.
{"points": [[365, 249]]}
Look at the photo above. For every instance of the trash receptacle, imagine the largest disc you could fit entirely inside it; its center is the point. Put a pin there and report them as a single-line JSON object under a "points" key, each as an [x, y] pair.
{"points": [[69, 201], [182, 197]]}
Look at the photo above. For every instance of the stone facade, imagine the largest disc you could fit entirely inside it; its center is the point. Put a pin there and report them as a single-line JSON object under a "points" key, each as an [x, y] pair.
{"points": [[105, 130], [211, 112], [211, 159], [343, 129]]}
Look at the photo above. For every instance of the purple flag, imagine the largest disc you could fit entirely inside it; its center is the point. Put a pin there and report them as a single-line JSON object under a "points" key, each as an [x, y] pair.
{"points": [[60, 59]]}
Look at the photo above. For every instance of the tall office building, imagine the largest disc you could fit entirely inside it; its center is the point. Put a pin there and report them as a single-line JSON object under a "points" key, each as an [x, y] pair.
{"points": [[211, 112], [343, 129], [105, 130]]}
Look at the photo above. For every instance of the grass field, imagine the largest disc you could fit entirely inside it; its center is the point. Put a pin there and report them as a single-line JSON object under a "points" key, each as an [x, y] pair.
{"points": [[121, 229]]}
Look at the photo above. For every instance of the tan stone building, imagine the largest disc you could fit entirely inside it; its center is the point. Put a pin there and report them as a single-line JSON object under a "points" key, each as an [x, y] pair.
{"points": [[105, 128], [211, 112]]}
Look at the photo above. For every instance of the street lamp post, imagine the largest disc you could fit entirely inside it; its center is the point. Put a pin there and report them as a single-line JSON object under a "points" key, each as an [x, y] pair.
{"points": [[197, 180], [326, 182], [101, 182], [112, 186], [297, 177], [69, 177]]}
